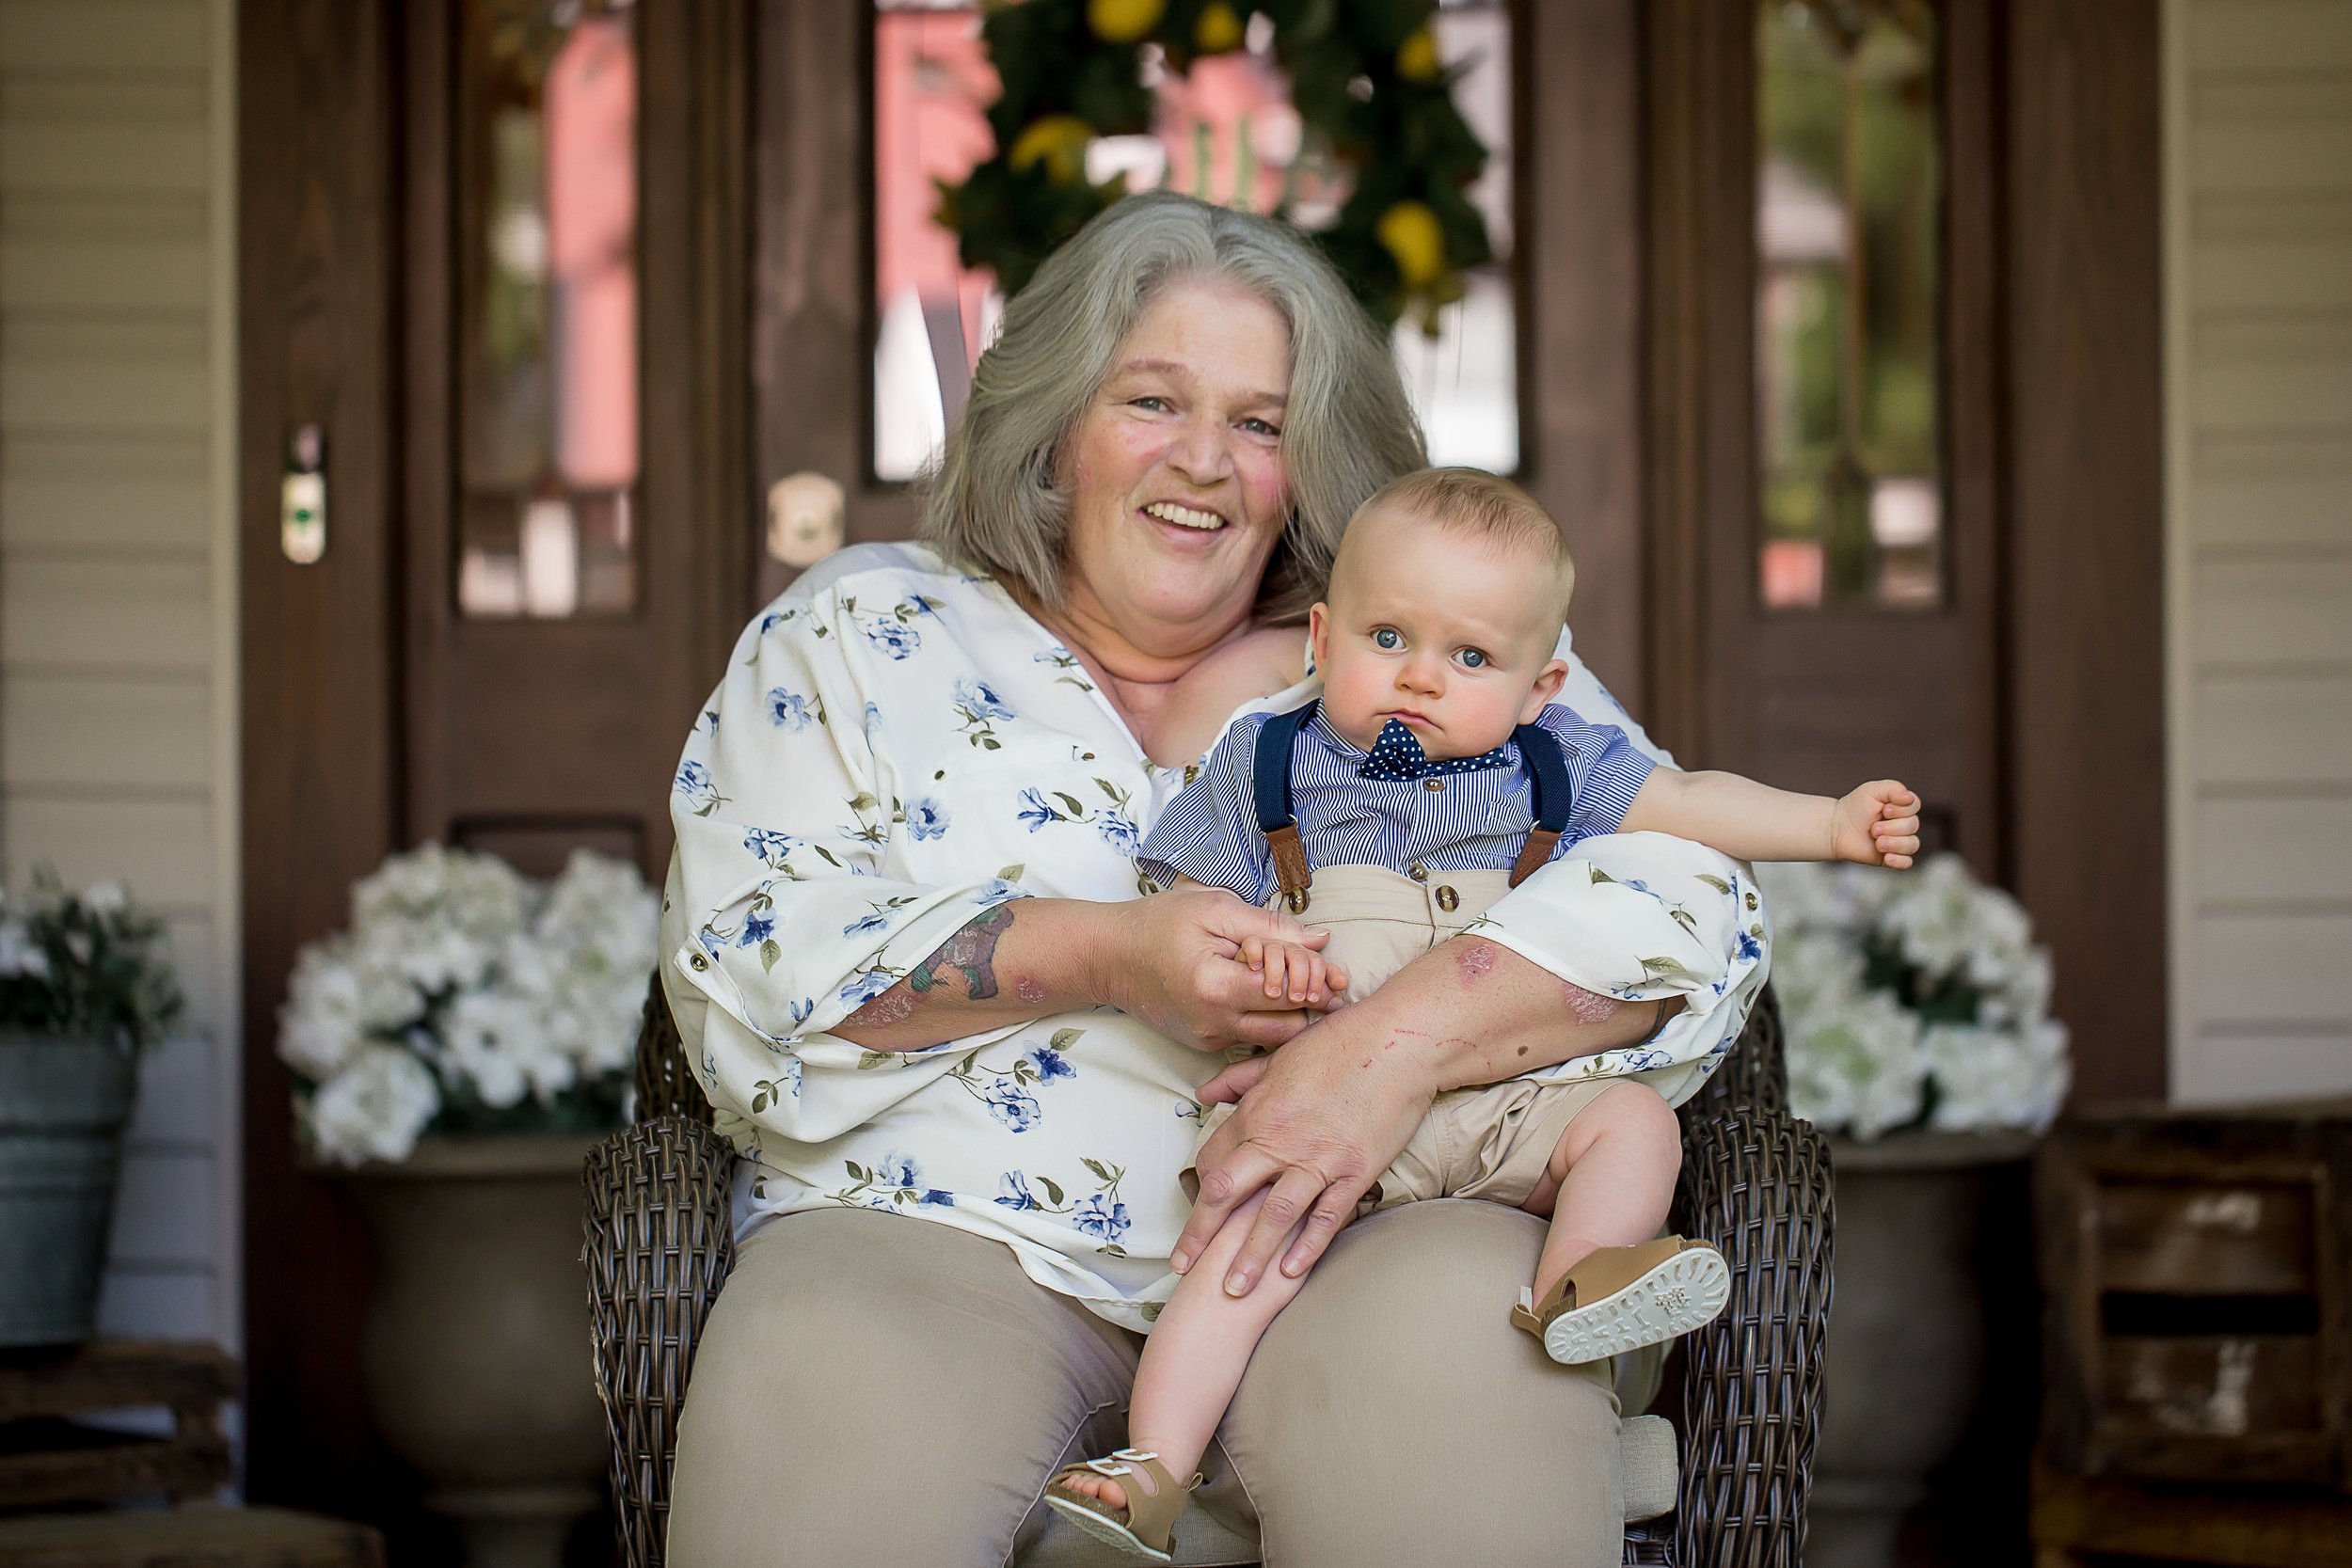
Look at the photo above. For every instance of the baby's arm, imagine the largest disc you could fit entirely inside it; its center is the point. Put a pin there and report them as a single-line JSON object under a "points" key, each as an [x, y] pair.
{"points": [[1876, 825]]}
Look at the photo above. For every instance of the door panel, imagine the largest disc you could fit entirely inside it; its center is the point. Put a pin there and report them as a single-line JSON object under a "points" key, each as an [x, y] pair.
{"points": [[1819, 697], [544, 720]]}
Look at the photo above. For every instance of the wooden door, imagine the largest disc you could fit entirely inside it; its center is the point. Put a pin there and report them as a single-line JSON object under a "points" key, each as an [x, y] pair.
{"points": [[1824, 490], [567, 521], [503, 650]]}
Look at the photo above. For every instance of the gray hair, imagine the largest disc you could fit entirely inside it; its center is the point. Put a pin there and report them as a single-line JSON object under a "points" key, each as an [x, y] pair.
{"points": [[1348, 429]]}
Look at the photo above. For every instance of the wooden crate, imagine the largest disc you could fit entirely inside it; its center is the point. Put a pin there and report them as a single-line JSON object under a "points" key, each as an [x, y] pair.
{"points": [[47, 1456], [2198, 1326]]}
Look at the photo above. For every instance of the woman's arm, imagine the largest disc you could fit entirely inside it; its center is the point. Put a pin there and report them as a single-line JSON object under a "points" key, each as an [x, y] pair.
{"points": [[1171, 960], [1323, 1118]]}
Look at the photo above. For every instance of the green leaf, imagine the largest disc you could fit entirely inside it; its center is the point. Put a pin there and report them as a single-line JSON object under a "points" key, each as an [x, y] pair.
{"points": [[862, 800], [857, 1170], [1010, 872], [1108, 788], [769, 954], [1053, 1189], [989, 743], [1599, 876], [867, 1060], [1097, 1168], [1686, 920], [1077, 808], [1716, 882], [1663, 966], [826, 853], [1064, 1038]]}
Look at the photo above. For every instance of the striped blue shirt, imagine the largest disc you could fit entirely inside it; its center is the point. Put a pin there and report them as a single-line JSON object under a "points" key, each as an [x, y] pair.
{"points": [[1476, 822]]}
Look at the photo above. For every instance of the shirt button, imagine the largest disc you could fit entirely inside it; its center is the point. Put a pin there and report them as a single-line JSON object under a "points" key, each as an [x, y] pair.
{"points": [[1434, 787], [1417, 871], [699, 961]]}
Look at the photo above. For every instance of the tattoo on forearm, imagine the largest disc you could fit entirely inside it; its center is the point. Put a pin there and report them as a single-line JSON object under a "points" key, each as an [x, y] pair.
{"points": [[973, 950]]}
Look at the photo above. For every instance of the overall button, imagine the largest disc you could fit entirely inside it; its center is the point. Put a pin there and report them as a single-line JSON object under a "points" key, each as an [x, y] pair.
{"points": [[1449, 901], [1417, 871], [1434, 787]]}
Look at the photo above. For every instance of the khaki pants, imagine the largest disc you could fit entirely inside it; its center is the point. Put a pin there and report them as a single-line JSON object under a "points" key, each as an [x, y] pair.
{"points": [[877, 1389]]}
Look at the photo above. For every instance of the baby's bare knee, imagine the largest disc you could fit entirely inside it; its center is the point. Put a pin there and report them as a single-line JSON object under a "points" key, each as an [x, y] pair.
{"points": [[1634, 1113]]}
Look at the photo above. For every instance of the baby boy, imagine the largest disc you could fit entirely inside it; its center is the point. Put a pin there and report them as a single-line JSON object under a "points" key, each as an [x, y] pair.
{"points": [[1434, 774]]}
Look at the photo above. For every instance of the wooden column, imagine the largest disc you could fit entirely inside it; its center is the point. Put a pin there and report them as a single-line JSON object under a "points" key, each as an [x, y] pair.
{"points": [[2086, 521]]}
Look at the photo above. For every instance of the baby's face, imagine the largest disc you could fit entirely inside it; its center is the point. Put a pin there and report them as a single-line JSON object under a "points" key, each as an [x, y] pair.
{"points": [[1452, 636]]}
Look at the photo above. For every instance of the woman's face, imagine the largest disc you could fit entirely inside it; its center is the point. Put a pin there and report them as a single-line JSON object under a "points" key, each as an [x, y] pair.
{"points": [[1178, 495]]}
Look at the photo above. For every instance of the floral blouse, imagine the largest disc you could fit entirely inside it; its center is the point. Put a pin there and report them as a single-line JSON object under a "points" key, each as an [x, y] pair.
{"points": [[897, 745]]}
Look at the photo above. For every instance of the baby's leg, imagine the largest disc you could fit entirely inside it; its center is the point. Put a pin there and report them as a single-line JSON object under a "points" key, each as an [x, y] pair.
{"points": [[1193, 1362], [1610, 1180]]}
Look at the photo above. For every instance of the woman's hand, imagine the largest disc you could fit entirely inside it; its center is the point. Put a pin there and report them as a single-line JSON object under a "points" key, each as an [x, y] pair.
{"points": [[1174, 961], [1317, 1122]]}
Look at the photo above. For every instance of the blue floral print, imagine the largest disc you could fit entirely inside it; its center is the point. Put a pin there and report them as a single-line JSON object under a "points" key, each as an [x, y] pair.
{"points": [[1050, 1063], [797, 841], [1035, 811], [791, 712]]}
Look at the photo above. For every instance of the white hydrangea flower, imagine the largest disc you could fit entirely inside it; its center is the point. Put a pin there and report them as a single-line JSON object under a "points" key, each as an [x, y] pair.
{"points": [[19, 953], [476, 979], [107, 898], [1853, 1062], [322, 1021], [1995, 1078], [479, 1035], [1946, 923], [375, 1108]]}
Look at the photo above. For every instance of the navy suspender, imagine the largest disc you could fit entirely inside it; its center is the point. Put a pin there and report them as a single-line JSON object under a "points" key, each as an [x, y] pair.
{"points": [[1270, 791], [1270, 796]]}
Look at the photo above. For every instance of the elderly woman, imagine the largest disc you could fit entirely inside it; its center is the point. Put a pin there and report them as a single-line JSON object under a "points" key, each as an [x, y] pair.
{"points": [[964, 1063]]}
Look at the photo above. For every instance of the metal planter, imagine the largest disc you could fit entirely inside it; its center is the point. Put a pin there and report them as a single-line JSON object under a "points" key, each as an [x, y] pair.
{"points": [[63, 1103]]}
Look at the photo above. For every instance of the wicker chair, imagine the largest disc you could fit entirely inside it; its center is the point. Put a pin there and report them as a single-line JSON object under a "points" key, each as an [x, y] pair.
{"points": [[1755, 1182]]}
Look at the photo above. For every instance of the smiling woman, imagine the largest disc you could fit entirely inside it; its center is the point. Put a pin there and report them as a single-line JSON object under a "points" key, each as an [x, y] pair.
{"points": [[902, 941]]}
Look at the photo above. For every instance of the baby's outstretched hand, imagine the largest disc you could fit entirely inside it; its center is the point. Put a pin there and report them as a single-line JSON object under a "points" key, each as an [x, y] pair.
{"points": [[1877, 825], [1290, 970]]}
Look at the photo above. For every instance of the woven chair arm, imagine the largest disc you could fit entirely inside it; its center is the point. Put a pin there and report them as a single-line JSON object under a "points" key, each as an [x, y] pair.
{"points": [[659, 1243], [1756, 1183]]}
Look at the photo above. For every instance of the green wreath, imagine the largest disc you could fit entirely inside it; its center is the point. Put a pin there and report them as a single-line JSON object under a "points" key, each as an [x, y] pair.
{"points": [[1371, 92]]}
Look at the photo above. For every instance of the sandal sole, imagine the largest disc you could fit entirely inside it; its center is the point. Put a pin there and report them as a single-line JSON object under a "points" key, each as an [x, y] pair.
{"points": [[1678, 1295], [1107, 1530]]}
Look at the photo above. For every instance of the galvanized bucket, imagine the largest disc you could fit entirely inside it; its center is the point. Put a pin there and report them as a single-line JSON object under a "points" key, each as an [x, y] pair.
{"points": [[63, 1103]]}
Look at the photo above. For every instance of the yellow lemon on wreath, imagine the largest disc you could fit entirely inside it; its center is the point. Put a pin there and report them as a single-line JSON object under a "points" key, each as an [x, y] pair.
{"points": [[1219, 29], [1417, 56], [1123, 20], [1412, 235], [1060, 140]]}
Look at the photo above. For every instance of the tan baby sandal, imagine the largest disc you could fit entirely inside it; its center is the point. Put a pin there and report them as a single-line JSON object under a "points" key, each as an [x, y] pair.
{"points": [[1147, 1524], [1620, 1298]]}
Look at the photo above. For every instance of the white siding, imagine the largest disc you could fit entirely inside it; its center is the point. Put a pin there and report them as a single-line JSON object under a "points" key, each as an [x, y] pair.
{"points": [[2258, 177], [117, 564]]}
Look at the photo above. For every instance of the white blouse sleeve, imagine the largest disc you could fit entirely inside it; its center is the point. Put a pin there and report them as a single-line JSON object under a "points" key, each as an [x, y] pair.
{"points": [[1644, 916], [788, 907]]}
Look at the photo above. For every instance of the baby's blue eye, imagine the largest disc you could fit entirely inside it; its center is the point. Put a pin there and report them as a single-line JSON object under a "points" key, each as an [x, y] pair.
{"points": [[1472, 657], [1386, 638]]}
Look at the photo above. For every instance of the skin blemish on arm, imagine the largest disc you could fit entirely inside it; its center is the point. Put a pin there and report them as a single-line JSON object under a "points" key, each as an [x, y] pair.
{"points": [[894, 1005], [1475, 962], [1588, 1006], [1028, 989]]}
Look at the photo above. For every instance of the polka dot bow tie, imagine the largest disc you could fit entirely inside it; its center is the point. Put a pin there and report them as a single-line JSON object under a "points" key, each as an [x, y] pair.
{"points": [[1397, 755]]}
